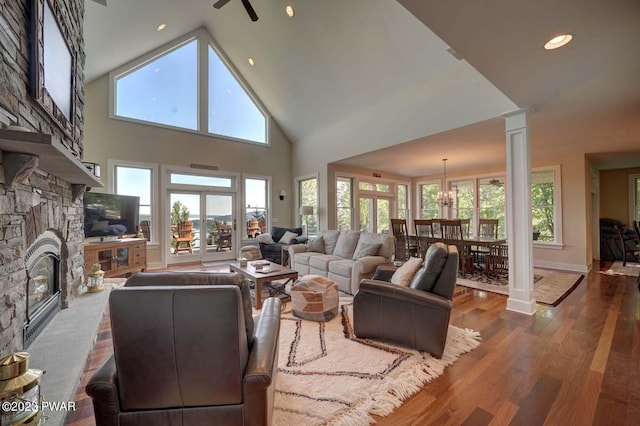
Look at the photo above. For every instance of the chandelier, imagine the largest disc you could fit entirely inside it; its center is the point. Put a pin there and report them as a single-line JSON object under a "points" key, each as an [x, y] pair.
{"points": [[445, 198]]}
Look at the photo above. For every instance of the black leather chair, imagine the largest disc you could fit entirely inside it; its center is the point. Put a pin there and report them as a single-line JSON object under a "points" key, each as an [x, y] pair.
{"points": [[187, 354], [416, 316]]}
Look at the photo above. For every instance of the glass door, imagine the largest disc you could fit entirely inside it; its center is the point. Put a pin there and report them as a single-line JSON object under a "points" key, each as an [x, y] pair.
{"points": [[375, 213], [202, 227], [184, 230], [220, 227]]}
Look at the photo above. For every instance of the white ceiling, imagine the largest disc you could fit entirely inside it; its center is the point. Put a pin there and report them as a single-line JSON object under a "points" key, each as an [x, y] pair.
{"points": [[337, 58]]}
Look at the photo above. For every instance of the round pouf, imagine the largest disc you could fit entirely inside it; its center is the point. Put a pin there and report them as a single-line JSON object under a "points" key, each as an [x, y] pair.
{"points": [[250, 252], [314, 297]]}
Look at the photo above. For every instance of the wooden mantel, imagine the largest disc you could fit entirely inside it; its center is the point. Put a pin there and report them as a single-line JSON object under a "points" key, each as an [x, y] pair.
{"points": [[24, 150]]}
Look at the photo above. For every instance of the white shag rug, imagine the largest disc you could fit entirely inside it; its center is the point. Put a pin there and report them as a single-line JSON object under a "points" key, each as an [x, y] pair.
{"points": [[631, 269], [327, 376], [549, 288]]}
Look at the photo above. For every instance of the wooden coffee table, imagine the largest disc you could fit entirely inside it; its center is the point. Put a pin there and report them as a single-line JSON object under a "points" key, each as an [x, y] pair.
{"points": [[270, 272]]}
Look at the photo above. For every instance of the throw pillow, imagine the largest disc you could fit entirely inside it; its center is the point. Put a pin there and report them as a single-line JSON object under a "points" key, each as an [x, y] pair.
{"points": [[404, 274], [434, 261], [346, 245], [364, 250], [265, 238], [316, 245], [288, 237]]}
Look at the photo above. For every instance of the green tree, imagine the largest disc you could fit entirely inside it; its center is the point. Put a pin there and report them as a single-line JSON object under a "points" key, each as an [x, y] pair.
{"points": [[542, 209]]}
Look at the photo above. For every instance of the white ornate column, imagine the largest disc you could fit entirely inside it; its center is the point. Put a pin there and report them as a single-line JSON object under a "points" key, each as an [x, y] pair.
{"points": [[519, 214]]}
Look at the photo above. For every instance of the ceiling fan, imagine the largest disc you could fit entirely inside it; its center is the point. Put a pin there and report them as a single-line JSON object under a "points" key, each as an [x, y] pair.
{"points": [[247, 6], [495, 182]]}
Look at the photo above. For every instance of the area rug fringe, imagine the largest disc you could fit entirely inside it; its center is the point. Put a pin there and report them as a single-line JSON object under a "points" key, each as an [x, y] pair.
{"points": [[352, 379]]}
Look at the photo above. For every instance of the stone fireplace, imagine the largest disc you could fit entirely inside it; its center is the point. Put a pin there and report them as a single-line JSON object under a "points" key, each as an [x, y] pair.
{"points": [[41, 184]]}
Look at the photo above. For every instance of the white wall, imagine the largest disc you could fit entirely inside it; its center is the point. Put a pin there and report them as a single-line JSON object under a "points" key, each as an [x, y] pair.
{"points": [[407, 116], [106, 138]]}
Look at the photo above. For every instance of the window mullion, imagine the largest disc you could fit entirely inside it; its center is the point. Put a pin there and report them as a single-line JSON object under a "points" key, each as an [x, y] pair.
{"points": [[203, 85]]}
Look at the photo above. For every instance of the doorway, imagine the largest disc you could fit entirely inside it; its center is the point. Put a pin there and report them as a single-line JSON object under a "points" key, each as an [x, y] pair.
{"points": [[203, 226], [375, 214]]}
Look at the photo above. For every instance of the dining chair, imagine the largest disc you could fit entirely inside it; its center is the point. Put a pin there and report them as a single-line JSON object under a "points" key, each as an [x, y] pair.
{"points": [[424, 234], [497, 260], [466, 227], [453, 233], [487, 228], [404, 247], [437, 230], [634, 250]]}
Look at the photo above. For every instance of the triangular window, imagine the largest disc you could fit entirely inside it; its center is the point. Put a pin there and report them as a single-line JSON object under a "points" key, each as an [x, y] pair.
{"points": [[163, 91], [164, 88], [232, 112]]}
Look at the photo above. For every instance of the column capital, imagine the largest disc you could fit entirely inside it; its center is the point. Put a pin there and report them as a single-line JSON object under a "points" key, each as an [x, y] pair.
{"points": [[516, 119]]}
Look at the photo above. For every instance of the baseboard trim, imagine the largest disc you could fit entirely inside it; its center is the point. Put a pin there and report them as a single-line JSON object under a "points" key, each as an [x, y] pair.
{"points": [[583, 269]]}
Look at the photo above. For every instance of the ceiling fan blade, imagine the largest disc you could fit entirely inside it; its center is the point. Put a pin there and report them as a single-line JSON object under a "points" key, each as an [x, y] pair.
{"points": [[102, 2], [220, 3], [250, 11]]}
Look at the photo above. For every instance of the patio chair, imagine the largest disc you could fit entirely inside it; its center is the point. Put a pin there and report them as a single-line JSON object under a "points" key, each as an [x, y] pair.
{"points": [[224, 235]]}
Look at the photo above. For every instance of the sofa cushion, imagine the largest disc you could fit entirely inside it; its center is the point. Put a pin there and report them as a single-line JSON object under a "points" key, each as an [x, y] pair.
{"points": [[316, 244], [330, 239], [346, 245], [321, 261], [404, 274], [265, 238], [342, 267], [277, 232], [385, 241], [303, 258], [434, 261], [363, 250], [287, 237]]}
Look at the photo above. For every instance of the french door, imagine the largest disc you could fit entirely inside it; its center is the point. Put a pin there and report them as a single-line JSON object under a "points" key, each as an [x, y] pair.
{"points": [[375, 213], [213, 226]]}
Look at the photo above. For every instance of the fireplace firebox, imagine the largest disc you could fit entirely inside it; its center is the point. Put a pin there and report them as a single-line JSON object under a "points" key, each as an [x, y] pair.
{"points": [[43, 286]]}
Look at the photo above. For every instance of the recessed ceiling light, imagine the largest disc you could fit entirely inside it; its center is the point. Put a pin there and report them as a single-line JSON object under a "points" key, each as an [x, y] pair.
{"points": [[290, 11], [161, 27], [558, 41], [251, 62]]}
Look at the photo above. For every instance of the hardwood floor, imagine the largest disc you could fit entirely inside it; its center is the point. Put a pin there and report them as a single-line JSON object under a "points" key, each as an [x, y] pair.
{"points": [[575, 364]]}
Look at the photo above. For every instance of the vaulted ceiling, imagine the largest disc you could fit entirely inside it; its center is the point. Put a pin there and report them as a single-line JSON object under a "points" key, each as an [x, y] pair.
{"points": [[336, 59]]}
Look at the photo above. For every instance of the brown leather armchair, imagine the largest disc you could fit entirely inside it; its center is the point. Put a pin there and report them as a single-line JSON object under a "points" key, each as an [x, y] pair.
{"points": [[187, 354], [416, 316]]}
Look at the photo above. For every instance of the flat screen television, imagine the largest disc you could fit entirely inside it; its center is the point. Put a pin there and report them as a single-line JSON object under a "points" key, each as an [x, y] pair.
{"points": [[110, 215]]}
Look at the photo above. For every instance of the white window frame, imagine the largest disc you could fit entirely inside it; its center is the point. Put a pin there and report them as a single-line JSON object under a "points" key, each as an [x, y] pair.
{"points": [[418, 197], [316, 209], [204, 41], [268, 207], [557, 242], [111, 182], [352, 179]]}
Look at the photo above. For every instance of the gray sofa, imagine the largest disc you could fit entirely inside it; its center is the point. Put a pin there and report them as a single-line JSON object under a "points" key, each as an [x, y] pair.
{"points": [[342, 256]]}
